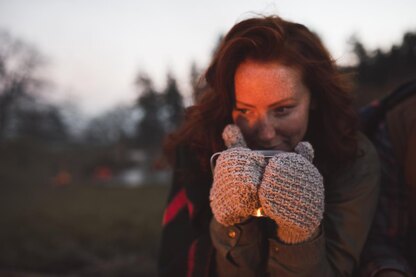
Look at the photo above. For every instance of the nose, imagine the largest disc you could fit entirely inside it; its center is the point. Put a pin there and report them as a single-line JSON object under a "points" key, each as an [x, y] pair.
{"points": [[266, 131]]}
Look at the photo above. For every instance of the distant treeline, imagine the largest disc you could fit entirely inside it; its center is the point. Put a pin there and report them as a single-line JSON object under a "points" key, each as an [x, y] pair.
{"points": [[25, 114], [378, 67]]}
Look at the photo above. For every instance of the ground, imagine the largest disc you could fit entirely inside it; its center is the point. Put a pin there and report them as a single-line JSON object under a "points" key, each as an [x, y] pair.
{"points": [[78, 227], [81, 230]]}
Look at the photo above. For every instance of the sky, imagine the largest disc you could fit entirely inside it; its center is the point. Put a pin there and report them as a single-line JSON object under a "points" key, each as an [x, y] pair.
{"points": [[95, 48]]}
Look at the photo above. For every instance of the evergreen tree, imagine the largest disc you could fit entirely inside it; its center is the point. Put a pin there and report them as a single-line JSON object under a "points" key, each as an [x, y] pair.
{"points": [[197, 82], [173, 102], [150, 131]]}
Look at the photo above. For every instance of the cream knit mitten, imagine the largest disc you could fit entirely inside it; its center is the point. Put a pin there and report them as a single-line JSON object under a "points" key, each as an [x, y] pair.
{"points": [[292, 194], [237, 175]]}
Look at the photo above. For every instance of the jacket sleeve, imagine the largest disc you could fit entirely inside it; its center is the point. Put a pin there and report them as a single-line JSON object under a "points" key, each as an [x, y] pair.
{"points": [[239, 248], [351, 197]]}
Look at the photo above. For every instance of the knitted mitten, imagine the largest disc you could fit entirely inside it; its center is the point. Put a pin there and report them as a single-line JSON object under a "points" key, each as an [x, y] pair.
{"points": [[237, 174], [292, 194]]}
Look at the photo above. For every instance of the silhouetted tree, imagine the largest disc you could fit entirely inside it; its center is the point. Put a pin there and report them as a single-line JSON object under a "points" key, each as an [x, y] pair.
{"points": [[198, 83], [44, 124], [22, 113], [359, 50], [379, 67], [111, 127], [150, 131], [173, 103]]}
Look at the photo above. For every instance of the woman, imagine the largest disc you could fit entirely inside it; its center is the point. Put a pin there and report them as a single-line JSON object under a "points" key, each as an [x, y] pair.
{"points": [[277, 86]]}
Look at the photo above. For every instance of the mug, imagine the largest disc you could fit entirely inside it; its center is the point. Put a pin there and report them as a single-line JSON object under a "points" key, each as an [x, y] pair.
{"points": [[266, 153]]}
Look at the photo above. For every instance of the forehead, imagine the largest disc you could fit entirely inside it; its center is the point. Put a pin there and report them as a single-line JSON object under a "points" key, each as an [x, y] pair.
{"points": [[267, 82]]}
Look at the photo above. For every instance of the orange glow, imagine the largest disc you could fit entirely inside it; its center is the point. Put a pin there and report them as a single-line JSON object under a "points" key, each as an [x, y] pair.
{"points": [[259, 212]]}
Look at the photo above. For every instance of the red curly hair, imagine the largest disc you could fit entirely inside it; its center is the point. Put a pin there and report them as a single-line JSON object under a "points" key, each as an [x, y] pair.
{"points": [[332, 126]]}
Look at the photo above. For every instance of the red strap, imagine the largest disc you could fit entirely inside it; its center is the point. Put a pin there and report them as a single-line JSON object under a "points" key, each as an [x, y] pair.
{"points": [[174, 206]]}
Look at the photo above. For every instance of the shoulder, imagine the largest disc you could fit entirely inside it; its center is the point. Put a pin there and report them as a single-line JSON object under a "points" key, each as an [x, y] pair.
{"points": [[361, 173], [366, 150], [366, 161], [188, 170], [185, 157]]}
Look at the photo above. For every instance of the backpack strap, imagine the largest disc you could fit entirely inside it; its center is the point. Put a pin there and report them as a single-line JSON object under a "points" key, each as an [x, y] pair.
{"points": [[398, 95], [372, 114]]}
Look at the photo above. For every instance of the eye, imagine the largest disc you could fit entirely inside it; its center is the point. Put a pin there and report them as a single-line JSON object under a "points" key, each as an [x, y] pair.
{"points": [[243, 111], [282, 111]]}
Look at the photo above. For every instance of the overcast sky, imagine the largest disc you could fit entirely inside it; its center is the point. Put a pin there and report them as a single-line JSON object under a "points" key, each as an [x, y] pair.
{"points": [[96, 47]]}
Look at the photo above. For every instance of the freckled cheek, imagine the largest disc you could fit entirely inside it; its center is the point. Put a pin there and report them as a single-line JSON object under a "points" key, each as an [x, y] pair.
{"points": [[291, 133], [294, 129]]}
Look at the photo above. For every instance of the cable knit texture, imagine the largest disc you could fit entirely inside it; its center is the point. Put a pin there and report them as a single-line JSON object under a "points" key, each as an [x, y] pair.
{"points": [[237, 175], [233, 137], [292, 194]]}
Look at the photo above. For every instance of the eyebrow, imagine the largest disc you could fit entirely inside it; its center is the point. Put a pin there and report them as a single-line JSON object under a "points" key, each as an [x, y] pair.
{"points": [[277, 103]]}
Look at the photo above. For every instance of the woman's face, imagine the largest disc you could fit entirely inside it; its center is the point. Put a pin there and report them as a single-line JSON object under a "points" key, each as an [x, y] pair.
{"points": [[272, 105]]}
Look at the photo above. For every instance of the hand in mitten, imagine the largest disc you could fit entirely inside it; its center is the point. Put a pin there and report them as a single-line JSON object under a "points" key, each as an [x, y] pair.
{"points": [[237, 174], [292, 194]]}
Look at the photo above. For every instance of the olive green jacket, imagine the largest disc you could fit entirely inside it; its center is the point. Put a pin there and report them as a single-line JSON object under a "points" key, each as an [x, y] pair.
{"points": [[351, 195]]}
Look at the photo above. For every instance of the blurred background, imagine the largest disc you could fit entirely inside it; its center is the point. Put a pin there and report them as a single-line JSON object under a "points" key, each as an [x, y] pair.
{"points": [[88, 90]]}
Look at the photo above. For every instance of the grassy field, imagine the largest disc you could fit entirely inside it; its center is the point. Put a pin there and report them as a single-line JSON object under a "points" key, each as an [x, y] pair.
{"points": [[80, 230]]}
